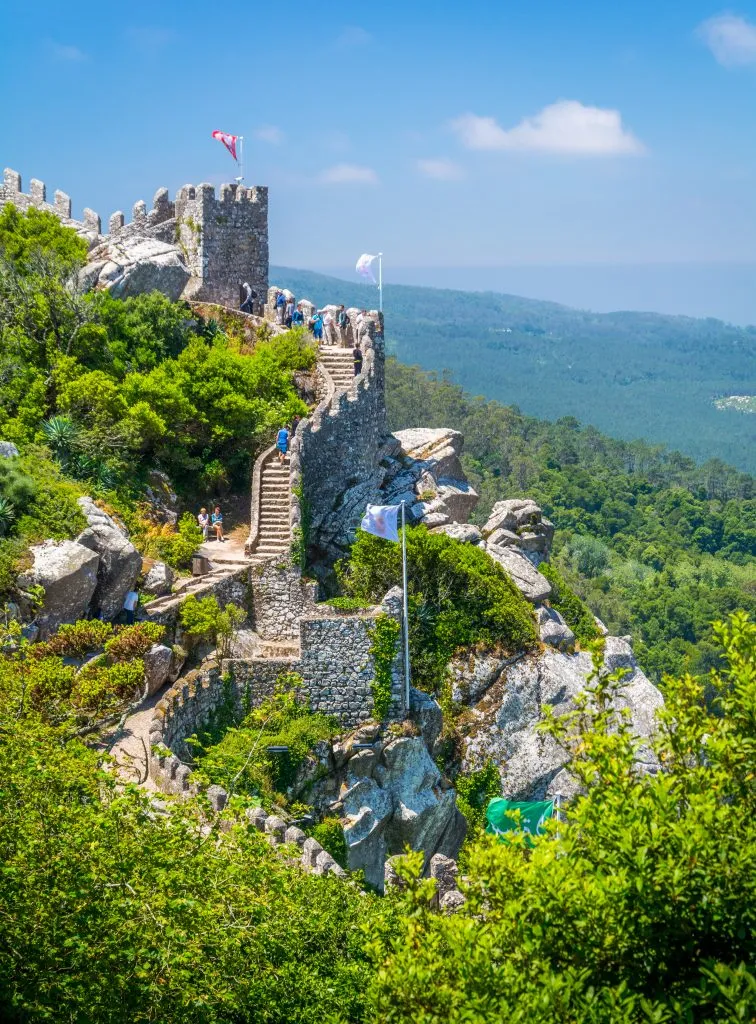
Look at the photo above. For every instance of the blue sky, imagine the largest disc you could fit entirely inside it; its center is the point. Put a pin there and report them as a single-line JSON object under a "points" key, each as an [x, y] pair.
{"points": [[449, 135]]}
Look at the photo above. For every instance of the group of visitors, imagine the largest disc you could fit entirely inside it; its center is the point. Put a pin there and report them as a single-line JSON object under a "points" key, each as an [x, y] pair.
{"points": [[213, 522]]}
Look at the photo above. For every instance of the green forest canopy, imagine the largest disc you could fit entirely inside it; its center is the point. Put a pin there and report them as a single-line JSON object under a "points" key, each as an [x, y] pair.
{"points": [[630, 374]]}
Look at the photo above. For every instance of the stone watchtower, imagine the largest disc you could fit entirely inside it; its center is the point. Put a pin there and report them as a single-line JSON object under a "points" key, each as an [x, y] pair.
{"points": [[224, 240]]}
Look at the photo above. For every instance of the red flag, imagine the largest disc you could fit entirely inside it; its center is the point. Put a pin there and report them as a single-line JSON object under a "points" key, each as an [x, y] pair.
{"points": [[229, 141]]}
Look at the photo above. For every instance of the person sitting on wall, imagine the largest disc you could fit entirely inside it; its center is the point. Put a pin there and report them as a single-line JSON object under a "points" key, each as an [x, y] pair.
{"points": [[282, 443], [357, 353], [217, 523], [203, 521]]}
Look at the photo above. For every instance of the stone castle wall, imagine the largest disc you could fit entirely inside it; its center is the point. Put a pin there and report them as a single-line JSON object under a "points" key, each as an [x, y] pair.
{"points": [[223, 239]]}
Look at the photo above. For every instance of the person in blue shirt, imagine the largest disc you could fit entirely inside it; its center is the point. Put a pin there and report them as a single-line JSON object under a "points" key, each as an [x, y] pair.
{"points": [[216, 519], [317, 327], [297, 317], [282, 443], [280, 307]]}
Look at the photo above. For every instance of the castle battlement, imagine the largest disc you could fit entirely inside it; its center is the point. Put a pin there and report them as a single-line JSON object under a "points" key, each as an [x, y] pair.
{"points": [[11, 192], [223, 238]]}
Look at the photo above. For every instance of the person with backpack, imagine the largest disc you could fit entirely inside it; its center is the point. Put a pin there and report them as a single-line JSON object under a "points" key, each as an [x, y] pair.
{"points": [[280, 307], [247, 298], [317, 327]]}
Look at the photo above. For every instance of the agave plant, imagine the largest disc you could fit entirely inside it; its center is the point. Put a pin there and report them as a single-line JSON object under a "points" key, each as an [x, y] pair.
{"points": [[7, 515], [61, 433]]}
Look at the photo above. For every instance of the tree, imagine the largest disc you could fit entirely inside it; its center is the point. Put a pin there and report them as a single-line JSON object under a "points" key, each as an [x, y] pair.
{"points": [[641, 909]]}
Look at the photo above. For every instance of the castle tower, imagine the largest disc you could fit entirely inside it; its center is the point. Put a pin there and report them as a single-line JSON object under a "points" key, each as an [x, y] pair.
{"points": [[224, 240]]}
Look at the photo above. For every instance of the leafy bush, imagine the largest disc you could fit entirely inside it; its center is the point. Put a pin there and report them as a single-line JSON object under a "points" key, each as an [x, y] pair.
{"points": [[330, 834], [203, 619], [458, 596], [384, 634], [75, 639], [474, 791], [240, 760], [134, 641], [17, 491], [575, 612], [347, 604], [177, 547], [22, 234], [642, 909]]}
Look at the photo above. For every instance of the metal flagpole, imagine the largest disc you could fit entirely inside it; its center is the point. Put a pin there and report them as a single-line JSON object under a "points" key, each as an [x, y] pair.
{"points": [[406, 617], [241, 159], [380, 289]]}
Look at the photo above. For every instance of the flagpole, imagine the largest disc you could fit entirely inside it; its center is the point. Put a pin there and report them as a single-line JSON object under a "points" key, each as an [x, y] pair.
{"points": [[380, 292], [241, 159], [406, 617]]}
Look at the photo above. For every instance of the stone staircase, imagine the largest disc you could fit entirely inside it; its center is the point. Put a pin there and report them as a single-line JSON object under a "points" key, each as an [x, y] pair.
{"points": [[339, 362], [273, 537]]}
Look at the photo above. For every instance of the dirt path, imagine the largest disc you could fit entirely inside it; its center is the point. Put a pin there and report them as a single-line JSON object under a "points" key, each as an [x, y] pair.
{"points": [[130, 746]]}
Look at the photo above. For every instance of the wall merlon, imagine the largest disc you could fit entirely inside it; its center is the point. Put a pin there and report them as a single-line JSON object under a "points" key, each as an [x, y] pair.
{"points": [[37, 191], [92, 220], [116, 222], [12, 180], [185, 193], [63, 204], [139, 211], [205, 191]]}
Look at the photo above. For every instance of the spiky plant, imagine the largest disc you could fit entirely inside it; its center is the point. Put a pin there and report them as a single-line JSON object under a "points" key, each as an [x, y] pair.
{"points": [[61, 434], [7, 515]]}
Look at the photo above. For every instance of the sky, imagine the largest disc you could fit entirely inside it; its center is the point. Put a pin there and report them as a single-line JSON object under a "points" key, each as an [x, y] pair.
{"points": [[599, 154]]}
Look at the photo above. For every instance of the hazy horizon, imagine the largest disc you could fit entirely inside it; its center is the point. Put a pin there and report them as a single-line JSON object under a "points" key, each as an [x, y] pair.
{"points": [[725, 291]]}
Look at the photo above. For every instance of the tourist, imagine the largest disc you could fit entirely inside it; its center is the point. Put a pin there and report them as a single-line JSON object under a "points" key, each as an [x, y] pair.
{"points": [[282, 443], [203, 521], [328, 326], [317, 327], [130, 603], [217, 522], [342, 319], [297, 317], [295, 421], [247, 298], [289, 315], [357, 353], [280, 307]]}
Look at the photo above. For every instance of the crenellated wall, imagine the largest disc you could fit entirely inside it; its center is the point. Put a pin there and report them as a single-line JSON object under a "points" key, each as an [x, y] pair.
{"points": [[223, 238], [11, 192]]}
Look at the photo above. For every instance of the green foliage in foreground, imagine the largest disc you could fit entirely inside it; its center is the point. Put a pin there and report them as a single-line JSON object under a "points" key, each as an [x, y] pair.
{"points": [[110, 913], [656, 545], [457, 597], [643, 910]]}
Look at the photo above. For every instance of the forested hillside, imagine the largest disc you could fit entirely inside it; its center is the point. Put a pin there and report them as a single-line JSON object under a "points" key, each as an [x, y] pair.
{"points": [[657, 545], [629, 374]]}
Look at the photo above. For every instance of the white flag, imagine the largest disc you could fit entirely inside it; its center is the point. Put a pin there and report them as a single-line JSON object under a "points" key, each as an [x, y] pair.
{"points": [[381, 521], [364, 268]]}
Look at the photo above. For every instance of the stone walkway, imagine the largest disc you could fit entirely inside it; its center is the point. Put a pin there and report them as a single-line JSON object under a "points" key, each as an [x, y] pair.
{"points": [[130, 745]]}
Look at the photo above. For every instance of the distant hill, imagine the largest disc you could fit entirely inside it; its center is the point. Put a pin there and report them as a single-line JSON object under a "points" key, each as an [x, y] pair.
{"points": [[632, 375]]}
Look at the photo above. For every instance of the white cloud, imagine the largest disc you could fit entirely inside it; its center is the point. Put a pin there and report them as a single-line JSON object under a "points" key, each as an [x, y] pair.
{"points": [[269, 133], [70, 53], [353, 35], [349, 174], [440, 168], [731, 39], [566, 126]]}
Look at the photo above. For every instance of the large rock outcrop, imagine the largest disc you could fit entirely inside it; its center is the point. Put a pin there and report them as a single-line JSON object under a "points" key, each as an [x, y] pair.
{"points": [[518, 537], [502, 723], [68, 572], [119, 561], [128, 266], [426, 473]]}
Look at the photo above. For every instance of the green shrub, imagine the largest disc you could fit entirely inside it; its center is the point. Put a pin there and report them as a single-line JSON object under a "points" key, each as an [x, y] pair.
{"points": [[76, 639], [474, 791], [347, 604], [134, 641], [330, 834], [575, 612], [178, 548], [457, 596], [204, 620], [384, 634]]}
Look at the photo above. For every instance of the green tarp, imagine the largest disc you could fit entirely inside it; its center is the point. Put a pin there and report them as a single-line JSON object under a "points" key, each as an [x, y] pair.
{"points": [[500, 818]]}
